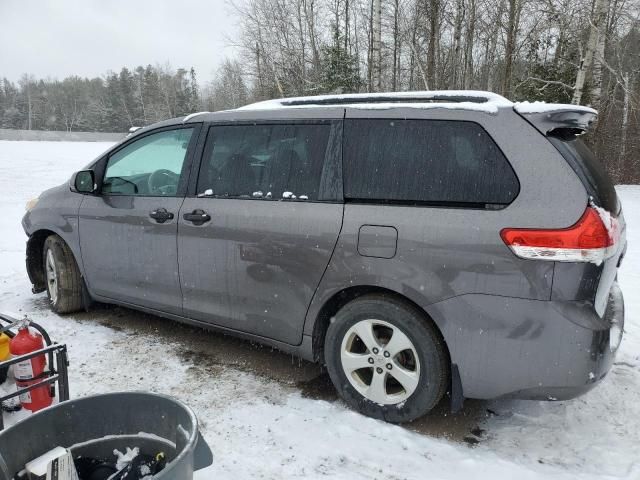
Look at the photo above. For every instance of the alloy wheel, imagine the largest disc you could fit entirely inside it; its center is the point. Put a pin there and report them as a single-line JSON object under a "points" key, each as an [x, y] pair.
{"points": [[52, 276], [380, 361]]}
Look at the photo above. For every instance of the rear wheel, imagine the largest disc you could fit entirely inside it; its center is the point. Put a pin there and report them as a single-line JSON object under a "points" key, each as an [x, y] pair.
{"points": [[64, 284], [385, 359]]}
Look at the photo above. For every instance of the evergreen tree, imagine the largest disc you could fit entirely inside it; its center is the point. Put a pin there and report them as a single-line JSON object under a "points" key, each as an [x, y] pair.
{"points": [[114, 118], [195, 92], [155, 109], [13, 116], [181, 92], [127, 100], [339, 69], [140, 96]]}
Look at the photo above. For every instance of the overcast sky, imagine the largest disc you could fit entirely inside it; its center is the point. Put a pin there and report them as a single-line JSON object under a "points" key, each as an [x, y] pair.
{"points": [[58, 38]]}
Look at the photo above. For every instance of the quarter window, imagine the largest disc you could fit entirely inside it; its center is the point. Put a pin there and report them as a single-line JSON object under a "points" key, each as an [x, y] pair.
{"points": [[268, 162], [431, 161], [151, 166]]}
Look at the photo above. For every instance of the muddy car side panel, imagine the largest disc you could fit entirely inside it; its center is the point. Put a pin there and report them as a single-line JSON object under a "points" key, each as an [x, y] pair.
{"points": [[509, 328], [255, 265], [57, 212], [448, 257], [128, 255], [529, 349]]}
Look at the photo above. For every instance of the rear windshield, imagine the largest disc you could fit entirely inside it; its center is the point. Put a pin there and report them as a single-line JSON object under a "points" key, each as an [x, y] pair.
{"points": [[593, 175], [425, 162]]}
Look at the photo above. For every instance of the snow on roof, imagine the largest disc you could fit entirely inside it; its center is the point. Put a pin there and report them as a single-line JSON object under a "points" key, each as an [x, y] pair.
{"points": [[487, 102], [543, 107], [475, 100]]}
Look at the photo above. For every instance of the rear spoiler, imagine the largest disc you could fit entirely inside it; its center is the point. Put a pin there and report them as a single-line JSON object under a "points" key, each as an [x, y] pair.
{"points": [[557, 119]]}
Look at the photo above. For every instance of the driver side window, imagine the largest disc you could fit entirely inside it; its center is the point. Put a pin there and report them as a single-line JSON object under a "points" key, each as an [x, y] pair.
{"points": [[151, 166]]}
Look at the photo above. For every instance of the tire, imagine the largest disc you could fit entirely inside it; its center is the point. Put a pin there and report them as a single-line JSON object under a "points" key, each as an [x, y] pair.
{"points": [[368, 382], [64, 283]]}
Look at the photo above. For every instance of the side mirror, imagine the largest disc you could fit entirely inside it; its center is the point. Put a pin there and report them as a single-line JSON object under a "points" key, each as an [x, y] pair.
{"points": [[84, 181]]}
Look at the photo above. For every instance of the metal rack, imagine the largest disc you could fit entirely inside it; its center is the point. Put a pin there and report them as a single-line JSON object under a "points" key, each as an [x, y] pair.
{"points": [[58, 364]]}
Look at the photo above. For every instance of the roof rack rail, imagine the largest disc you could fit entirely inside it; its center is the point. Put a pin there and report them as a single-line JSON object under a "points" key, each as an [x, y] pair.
{"points": [[381, 99], [192, 115]]}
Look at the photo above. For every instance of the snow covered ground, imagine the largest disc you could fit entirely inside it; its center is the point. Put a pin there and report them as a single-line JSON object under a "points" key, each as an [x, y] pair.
{"points": [[268, 416]]}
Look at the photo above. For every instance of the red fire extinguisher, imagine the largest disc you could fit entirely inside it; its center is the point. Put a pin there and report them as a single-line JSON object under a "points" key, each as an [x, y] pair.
{"points": [[29, 372]]}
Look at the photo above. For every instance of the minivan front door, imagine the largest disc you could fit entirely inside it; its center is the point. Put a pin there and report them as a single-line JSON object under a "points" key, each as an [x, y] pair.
{"points": [[128, 231], [256, 240]]}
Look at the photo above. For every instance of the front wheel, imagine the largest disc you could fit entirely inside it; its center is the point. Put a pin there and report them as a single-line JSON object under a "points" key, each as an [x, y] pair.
{"points": [[64, 284], [385, 359]]}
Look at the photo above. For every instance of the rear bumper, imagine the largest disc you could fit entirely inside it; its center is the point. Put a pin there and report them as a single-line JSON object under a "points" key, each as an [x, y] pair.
{"points": [[604, 345], [529, 349]]}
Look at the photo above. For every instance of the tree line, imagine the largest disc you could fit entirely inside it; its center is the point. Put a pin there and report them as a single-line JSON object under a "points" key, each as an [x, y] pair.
{"points": [[567, 51], [113, 103]]}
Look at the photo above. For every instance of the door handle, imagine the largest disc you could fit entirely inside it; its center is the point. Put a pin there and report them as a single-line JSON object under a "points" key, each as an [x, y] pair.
{"points": [[161, 215], [197, 217]]}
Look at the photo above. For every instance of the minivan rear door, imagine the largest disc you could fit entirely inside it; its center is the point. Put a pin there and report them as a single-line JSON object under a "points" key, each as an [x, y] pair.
{"points": [[562, 125], [602, 194], [256, 237]]}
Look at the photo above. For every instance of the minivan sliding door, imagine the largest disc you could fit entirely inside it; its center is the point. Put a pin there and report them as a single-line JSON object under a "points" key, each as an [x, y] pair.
{"points": [[255, 241]]}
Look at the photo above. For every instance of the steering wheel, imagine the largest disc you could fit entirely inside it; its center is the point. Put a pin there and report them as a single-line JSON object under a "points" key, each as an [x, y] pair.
{"points": [[159, 180]]}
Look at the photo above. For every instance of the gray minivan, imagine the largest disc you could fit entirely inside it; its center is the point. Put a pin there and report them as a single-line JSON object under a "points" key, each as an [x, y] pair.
{"points": [[417, 243]]}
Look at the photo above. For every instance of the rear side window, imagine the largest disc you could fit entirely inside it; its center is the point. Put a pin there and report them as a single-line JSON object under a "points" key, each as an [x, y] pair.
{"points": [[264, 161], [425, 161], [590, 171]]}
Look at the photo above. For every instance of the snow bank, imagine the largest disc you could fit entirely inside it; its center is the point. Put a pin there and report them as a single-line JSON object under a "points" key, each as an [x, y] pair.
{"points": [[260, 428]]}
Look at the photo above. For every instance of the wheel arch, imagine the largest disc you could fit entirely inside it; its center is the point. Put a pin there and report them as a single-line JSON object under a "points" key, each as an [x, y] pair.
{"points": [[344, 296], [35, 266], [34, 257]]}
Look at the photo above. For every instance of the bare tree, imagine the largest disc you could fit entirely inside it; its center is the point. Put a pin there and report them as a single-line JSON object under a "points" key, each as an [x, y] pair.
{"points": [[376, 53], [551, 50], [513, 13], [434, 12], [596, 32]]}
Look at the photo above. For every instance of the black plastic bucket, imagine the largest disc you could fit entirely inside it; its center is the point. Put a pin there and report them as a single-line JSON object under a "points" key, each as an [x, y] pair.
{"points": [[95, 426]]}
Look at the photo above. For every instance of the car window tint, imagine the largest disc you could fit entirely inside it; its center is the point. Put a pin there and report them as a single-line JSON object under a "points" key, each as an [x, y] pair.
{"points": [[264, 161], [447, 162], [149, 166], [590, 171]]}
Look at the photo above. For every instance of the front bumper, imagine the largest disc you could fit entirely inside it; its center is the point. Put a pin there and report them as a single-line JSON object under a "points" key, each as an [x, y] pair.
{"points": [[530, 349]]}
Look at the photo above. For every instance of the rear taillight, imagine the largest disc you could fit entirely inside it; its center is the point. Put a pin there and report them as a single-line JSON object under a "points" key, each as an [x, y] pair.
{"points": [[592, 239]]}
